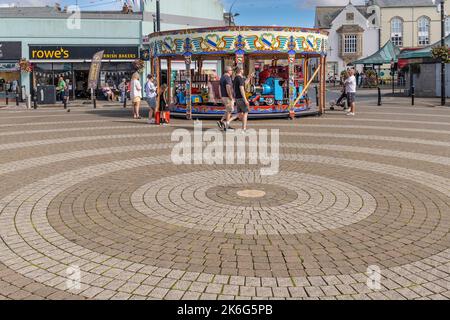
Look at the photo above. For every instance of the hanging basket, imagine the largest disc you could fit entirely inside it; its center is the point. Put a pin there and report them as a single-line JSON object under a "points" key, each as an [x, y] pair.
{"points": [[138, 65], [25, 65], [440, 53]]}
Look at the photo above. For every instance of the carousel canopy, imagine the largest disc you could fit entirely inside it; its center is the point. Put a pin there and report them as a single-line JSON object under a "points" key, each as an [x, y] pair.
{"points": [[385, 55], [238, 40]]}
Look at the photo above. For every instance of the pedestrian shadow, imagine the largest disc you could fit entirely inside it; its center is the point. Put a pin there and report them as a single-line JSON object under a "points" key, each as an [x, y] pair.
{"points": [[118, 113]]}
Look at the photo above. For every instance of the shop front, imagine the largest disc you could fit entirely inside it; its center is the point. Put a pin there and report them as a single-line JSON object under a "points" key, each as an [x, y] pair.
{"points": [[50, 63], [10, 54]]}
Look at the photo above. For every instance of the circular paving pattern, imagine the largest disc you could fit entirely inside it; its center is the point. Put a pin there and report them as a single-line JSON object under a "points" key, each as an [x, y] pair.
{"points": [[137, 226], [292, 203], [249, 193]]}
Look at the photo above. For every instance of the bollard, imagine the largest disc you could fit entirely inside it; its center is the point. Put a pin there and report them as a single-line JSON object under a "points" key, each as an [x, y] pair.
{"points": [[34, 99], [6, 97], [317, 95], [413, 95], [17, 98], [23, 94], [93, 97], [379, 96], [28, 99], [65, 103]]}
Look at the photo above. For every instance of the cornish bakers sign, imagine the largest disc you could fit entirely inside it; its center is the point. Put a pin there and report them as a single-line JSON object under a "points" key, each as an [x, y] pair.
{"points": [[86, 53]]}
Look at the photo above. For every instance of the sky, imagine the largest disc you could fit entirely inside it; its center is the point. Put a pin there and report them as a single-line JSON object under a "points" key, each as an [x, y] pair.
{"points": [[251, 12], [279, 12]]}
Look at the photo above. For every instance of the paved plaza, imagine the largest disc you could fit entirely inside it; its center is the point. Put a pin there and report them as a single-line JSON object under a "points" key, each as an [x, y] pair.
{"points": [[96, 192]]}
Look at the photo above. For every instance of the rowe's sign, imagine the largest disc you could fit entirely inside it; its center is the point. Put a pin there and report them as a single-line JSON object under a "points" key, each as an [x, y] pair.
{"points": [[50, 54], [86, 53]]}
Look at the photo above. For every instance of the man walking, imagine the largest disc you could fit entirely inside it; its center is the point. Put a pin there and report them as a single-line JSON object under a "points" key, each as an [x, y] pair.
{"points": [[242, 103], [350, 88], [123, 90], [226, 91]]}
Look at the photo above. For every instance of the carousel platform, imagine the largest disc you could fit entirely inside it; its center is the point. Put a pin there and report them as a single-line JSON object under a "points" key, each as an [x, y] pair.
{"points": [[208, 112]]}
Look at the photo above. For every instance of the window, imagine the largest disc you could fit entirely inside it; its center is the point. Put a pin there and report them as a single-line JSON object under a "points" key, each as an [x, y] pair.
{"points": [[424, 31], [447, 26], [350, 43], [397, 32], [350, 16]]}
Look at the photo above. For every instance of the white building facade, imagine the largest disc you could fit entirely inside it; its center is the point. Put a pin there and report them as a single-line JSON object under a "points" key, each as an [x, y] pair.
{"points": [[353, 34]]}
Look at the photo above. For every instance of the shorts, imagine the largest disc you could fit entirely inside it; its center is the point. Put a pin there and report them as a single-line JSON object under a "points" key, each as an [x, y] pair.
{"points": [[228, 103], [241, 106], [151, 102], [136, 99], [351, 97]]}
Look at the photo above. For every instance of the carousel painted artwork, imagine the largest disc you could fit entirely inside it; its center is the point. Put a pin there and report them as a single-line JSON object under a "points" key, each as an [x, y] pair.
{"points": [[275, 89]]}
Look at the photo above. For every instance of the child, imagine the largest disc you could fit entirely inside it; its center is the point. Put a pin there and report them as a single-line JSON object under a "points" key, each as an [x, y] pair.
{"points": [[162, 114]]}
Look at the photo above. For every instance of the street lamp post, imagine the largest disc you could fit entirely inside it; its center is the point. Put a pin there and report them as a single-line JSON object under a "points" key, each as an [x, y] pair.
{"points": [[158, 17], [231, 15], [443, 93]]}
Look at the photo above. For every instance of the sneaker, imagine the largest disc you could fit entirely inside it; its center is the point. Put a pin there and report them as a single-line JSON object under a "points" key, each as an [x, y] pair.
{"points": [[229, 129], [151, 121], [220, 125], [351, 114]]}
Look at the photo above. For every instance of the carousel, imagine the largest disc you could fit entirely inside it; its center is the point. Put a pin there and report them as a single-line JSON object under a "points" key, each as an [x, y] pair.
{"points": [[282, 63]]}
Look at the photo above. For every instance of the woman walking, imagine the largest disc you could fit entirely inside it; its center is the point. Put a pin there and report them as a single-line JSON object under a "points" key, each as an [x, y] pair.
{"points": [[136, 95]]}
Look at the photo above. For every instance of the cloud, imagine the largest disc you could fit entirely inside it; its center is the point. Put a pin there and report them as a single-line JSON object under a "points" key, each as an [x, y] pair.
{"points": [[26, 3]]}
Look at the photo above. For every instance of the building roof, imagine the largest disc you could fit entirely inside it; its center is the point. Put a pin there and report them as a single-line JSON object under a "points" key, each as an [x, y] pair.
{"points": [[385, 55], [425, 52], [52, 13], [399, 3], [326, 14]]}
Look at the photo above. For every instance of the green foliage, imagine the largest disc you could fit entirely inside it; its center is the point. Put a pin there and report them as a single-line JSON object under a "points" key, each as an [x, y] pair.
{"points": [[440, 53]]}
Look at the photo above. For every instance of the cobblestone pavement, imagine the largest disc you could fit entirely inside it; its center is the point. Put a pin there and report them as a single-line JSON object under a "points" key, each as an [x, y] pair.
{"points": [[96, 190]]}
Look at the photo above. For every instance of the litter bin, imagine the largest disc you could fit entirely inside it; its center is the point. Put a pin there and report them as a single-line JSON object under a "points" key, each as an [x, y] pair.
{"points": [[46, 94]]}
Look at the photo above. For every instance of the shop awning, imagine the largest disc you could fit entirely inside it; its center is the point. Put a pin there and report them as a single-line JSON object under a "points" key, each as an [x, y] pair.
{"points": [[385, 55], [425, 52]]}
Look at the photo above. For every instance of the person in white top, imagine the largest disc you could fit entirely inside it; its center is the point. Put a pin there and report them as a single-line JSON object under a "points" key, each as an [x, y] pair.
{"points": [[136, 94], [150, 96], [350, 88]]}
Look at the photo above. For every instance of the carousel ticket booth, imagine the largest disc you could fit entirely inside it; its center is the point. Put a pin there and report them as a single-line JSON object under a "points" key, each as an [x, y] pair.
{"points": [[278, 60]]}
